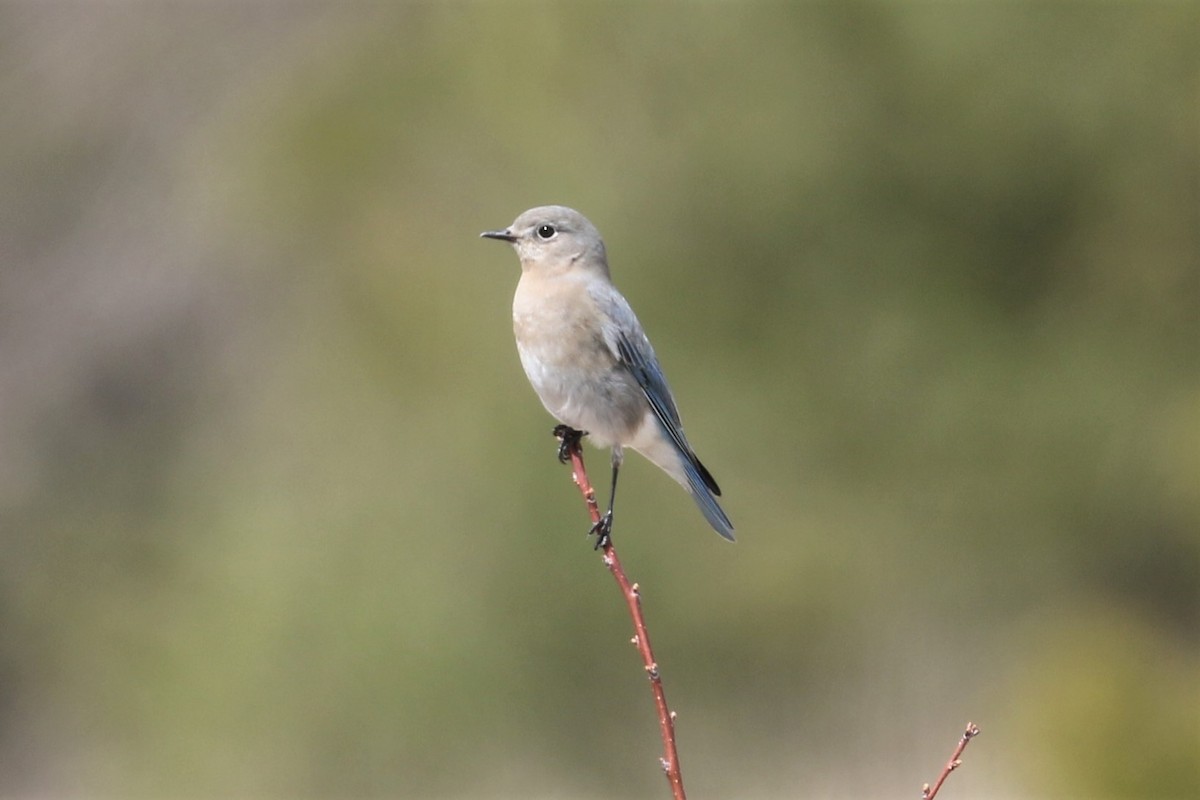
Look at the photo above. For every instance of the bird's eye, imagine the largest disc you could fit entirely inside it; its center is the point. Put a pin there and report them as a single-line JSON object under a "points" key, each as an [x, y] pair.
{"points": [[546, 232]]}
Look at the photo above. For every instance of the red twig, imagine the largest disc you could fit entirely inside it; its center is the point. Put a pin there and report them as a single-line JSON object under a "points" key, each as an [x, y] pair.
{"points": [[928, 793], [641, 638]]}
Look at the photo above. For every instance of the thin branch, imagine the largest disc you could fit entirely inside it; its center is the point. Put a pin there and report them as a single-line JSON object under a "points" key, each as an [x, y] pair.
{"points": [[928, 793], [641, 638]]}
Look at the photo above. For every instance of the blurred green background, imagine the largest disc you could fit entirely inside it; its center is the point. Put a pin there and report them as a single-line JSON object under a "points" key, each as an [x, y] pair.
{"points": [[281, 516]]}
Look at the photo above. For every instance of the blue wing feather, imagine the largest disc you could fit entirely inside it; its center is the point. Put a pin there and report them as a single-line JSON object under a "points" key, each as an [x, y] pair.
{"points": [[628, 342]]}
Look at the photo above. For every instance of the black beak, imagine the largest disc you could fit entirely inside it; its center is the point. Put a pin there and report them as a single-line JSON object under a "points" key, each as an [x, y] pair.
{"points": [[504, 235]]}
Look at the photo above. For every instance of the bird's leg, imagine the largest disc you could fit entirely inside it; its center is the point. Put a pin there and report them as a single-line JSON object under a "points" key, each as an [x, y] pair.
{"points": [[603, 528], [568, 440]]}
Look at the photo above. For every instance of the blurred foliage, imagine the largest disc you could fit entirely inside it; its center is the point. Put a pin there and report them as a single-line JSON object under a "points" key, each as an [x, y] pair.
{"points": [[281, 517]]}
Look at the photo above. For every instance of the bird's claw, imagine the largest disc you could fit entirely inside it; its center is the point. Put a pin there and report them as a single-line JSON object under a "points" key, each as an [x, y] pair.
{"points": [[603, 531], [568, 444], [568, 440]]}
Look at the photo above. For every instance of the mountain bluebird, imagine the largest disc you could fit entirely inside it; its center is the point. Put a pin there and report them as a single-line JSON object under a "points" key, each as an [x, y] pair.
{"points": [[589, 360]]}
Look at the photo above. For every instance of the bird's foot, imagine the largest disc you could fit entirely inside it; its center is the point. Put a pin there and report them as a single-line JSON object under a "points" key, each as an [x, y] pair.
{"points": [[568, 440], [602, 531]]}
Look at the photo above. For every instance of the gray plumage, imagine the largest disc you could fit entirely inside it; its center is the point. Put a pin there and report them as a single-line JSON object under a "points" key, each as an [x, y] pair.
{"points": [[587, 357]]}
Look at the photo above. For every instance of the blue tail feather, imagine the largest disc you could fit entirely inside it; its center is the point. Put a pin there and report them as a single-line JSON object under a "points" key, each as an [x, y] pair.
{"points": [[699, 488]]}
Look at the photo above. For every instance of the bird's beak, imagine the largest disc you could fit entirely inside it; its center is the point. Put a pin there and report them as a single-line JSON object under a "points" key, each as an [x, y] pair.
{"points": [[505, 235]]}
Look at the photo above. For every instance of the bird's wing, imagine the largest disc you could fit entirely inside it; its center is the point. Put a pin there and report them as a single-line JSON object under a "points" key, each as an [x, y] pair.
{"points": [[628, 342], [625, 339]]}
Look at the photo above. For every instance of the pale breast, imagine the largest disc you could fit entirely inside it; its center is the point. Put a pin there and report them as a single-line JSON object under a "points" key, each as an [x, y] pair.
{"points": [[560, 341]]}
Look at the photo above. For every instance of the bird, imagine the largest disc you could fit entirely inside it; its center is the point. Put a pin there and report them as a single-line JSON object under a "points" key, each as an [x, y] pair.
{"points": [[589, 360]]}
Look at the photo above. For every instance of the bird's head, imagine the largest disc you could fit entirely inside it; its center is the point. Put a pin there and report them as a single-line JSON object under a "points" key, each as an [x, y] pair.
{"points": [[554, 239]]}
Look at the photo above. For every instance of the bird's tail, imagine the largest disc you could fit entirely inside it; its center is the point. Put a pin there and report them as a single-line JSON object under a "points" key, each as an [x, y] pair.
{"points": [[677, 460], [704, 490]]}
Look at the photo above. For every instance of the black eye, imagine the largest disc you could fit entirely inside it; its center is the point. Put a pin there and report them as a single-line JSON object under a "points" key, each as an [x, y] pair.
{"points": [[546, 232]]}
